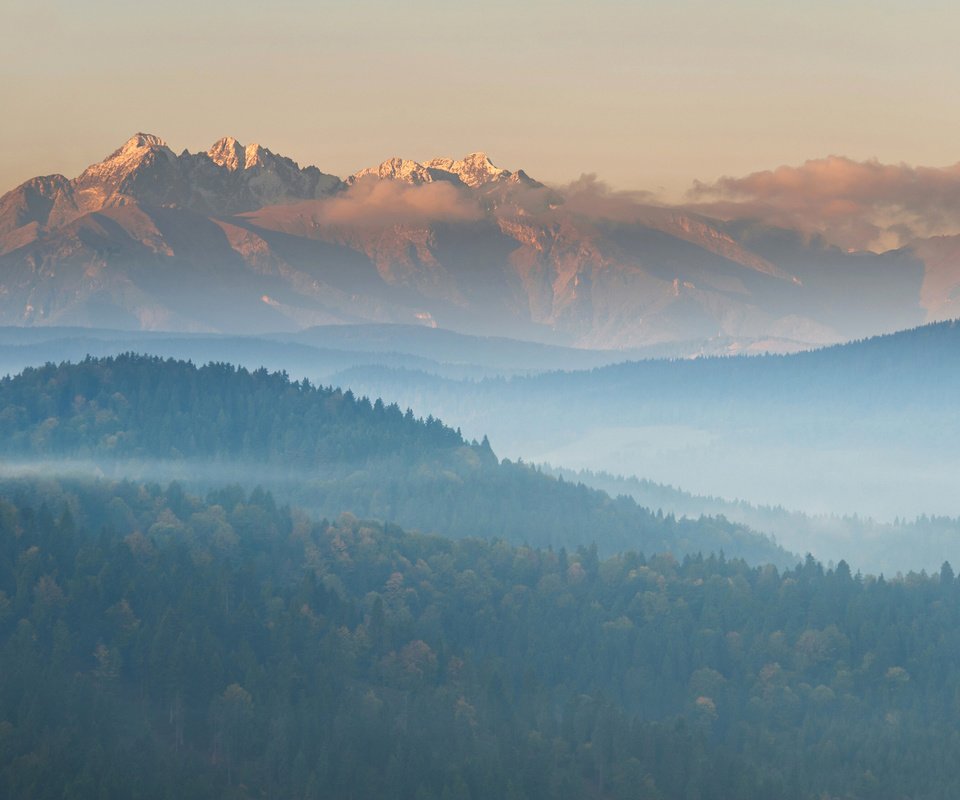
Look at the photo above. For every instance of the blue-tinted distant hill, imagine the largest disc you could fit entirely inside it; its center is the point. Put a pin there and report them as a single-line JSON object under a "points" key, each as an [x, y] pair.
{"points": [[316, 353], [918, 367], [449, 347], [867, 427], [873, 546]]}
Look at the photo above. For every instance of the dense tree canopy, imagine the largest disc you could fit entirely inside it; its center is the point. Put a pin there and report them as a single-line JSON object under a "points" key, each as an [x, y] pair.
{"points": [[148, 407], [156, 645]]}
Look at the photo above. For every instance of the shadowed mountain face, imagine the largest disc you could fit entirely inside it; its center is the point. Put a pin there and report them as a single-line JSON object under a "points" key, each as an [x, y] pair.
{"points": [[239, 239]]}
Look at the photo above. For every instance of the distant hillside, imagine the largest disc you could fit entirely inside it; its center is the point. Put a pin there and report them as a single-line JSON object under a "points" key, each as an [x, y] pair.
{"points": [[452, 348], [885, 376], [867, 427], [315, 353], [874, 547], [139, 416]]}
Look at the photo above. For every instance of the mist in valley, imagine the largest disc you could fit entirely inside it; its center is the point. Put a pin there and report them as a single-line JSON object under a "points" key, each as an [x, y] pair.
{"points": [[867, 428], [505, 401], [852, 457]]}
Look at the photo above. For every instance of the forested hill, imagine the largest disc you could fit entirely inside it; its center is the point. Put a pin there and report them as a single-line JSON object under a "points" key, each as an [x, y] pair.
{"points": [[146, 407], [887, 548], [328, 451], [155, 645]]}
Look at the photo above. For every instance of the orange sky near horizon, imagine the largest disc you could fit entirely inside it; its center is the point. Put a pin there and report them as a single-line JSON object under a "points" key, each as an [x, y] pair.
{"points": [[647, 95]]}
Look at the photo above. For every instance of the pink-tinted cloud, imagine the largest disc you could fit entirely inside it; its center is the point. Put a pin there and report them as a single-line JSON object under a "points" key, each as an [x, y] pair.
{"points": [[854, 204], [376, 203], [594, 199]]}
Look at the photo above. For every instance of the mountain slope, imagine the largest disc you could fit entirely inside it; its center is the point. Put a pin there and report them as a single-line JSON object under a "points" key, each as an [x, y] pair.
{"points": [[239, 239]]}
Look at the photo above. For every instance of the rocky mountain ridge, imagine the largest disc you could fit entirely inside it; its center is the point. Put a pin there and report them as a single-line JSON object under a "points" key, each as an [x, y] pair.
{"points": [[228, 178], [239, 238], [474, 170]]}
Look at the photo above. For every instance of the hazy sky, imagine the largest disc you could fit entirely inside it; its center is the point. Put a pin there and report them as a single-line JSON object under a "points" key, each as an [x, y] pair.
{"points": [[647, 95]]}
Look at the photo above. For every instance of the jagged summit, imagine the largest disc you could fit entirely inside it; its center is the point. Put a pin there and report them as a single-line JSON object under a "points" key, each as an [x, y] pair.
{"points": [[254, 154], [402, 169], [180, 239], [227, 179], [136, 150], [143, 140], [31, 202], [136, 146], [228, 152], [121, 176], [231, 154], [474, 170]]}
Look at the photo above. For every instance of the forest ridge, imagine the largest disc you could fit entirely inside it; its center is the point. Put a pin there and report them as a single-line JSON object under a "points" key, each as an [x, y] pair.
{"points": [[157, 644]]}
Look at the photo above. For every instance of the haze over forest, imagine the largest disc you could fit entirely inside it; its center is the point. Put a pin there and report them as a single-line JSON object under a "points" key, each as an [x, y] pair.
{"points": [[540, 402]]}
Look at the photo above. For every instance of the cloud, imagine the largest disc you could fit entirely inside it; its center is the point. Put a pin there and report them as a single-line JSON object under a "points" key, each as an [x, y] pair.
{"points": [[592, 198], [854, 204], [376, 203]]}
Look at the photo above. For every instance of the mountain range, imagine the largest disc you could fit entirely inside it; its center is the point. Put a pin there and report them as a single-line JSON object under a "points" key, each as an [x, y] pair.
{"points": [[238, 239]]}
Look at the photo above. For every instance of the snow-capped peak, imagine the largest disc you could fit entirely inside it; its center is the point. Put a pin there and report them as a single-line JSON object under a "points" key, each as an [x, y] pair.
{"points": [[141, 140], [135, 147], [400, 169], [227, 152], [230, 154], [229, 178], [474, 169], [139, 149]]}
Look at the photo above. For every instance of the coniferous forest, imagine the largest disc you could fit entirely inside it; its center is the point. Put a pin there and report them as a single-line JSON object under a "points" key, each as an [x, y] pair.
{"points": [[329, 452], [479, 401], [155, 644], [342, 600]]}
